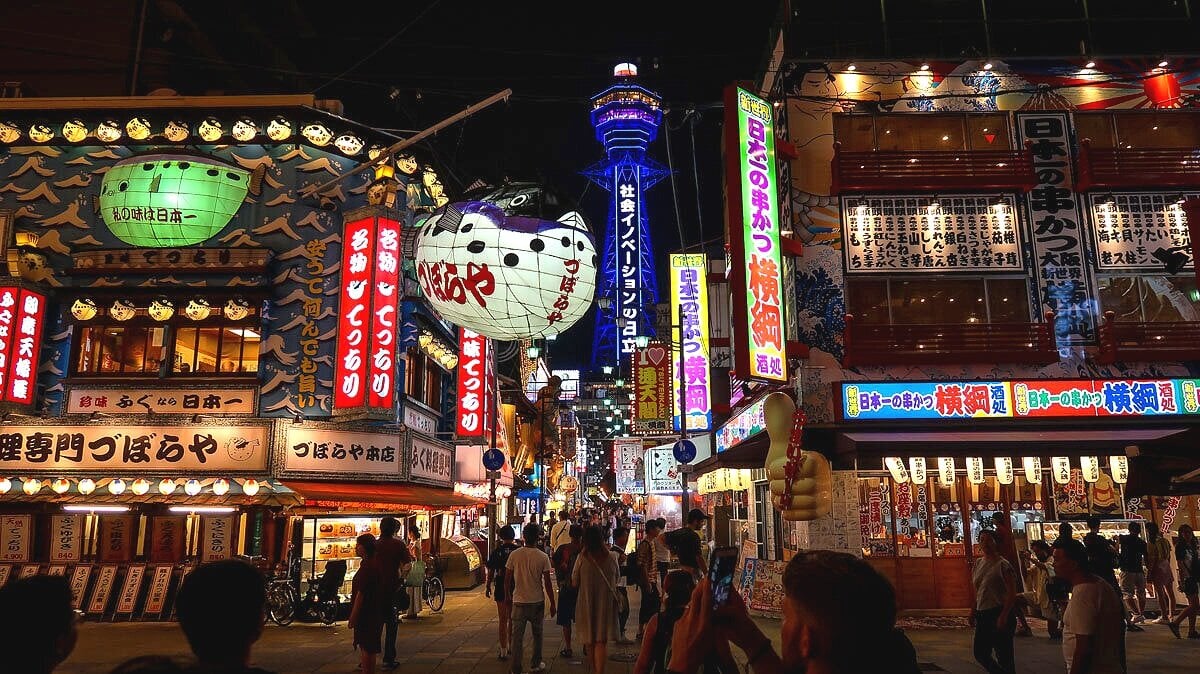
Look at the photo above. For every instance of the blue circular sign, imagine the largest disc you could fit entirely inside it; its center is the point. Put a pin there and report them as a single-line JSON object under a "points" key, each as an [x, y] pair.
{"points": [[493, 459], [685, 451]]}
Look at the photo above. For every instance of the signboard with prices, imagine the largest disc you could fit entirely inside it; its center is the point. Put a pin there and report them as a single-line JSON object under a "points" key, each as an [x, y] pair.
{"points": [[689, 306], [752, 201], [22, 317], [651, 368], [475, 417], [365, 368], [16, 538], [1065, 398], [1141, 231]]}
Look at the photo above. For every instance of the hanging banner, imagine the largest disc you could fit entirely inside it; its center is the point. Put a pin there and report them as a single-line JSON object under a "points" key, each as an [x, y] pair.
{"points": [[66, 537], [630, 461], [130, 589], [651, 385], [895, 466], [975, 469], [917, 467], [80, 576], [1033, 469], [474, 418], [689, 306], [1090, 466], [102, 590], [156, 595], [168, 535], [1061, 467], [117, 535], [752, 203], [216, 538], [1119, 465], [1004, 469], [946, 470], [16, 538]]}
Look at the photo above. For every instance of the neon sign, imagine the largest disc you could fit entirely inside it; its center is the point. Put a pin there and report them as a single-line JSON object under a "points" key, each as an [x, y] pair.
{"points": [[689, 305], [747, 423]]}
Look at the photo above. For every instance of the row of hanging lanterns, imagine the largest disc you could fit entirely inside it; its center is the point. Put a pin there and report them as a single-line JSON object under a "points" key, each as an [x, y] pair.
{"points": [[724, 479], [438, 350], [160, 309], [917, 469], [117, 486]]}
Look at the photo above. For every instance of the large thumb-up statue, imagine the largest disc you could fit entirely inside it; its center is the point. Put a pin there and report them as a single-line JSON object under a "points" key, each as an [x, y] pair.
{"points": [[801, 481]]}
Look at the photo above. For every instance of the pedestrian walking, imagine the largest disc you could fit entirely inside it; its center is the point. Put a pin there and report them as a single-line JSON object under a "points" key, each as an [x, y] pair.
{"points": [[662, 553], [564, 562], [560, 532], [393, 557], [415, 574], [994, 617], [37, 624], [1007, 545], [527, 572], [620, 541], [220, 607], [594, 577], [1131, 560], [647, 576], [660, 629], [1158, 572], [1187, 559], [1092, 623], [686, 543], [368, 603], [1040, 577], [494, 586]]}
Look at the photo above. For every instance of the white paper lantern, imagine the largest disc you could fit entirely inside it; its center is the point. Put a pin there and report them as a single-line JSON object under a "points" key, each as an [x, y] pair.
{"points": [[86, 486], [244, 129], [167, 486], [138, 128], [250, 487], [1061, 467], [1090, 465], [192, 487], [349, 144], [895, 466], [116, 487], [279, 129], [236, 309], [31, 486], [1004, 469], [74, 130], [514, 277], [918, 470], [122, 310], [84, 309], [210, 129], [176, 131], [317, 134], [946, 471], [1119, 463], [975, 469], [5, 485], [140, 486], [40, 133], [1033, 469], [220, 486], [161, 309], [197, 309], [9, 133], [60, 486], [108, 131]]}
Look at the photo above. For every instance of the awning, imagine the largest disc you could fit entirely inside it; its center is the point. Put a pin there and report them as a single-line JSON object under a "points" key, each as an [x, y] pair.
{"points": [[973, 442], [366, 495], [750, 453], [267, 493]]}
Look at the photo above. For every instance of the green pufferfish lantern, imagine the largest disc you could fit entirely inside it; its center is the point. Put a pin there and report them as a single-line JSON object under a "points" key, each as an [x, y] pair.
{"points": [[165, 200]]}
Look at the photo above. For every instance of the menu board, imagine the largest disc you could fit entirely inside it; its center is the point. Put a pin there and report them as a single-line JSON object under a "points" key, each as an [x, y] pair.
{"points": [[131, 588], [102, 589], [29, 570], [766, 591], [117, 535], [217, 538], [5, 572], [468, 548], [66, 537], [167, 538], [156, 597], [79, 582], [56, 570], [16, 533]]}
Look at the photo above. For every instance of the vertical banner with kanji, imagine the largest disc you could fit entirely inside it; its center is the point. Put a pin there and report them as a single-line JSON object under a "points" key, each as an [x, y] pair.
{"points": [[628, 208], [474, 388], [651, 386], [752, 204], [689, 306]]}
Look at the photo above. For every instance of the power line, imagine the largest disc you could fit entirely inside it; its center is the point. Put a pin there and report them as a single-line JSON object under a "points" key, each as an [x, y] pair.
{"points": [[383, 45]]}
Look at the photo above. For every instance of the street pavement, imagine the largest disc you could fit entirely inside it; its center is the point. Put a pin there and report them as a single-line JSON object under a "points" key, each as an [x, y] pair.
{"points": [[462, 640]]}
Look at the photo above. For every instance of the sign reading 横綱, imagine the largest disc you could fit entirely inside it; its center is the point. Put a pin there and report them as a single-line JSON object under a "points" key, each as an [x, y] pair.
{"points": [[208, 448], [349, 453], [630, 468], [752, 202], [662, 471], [651, 385], [432, 462], [689, 306], [129, 400], [1064, 284], [474, 417], [66, 537], [1033, 398], [365, 366], [1144, 231], [22, 316], [216, 539], [16, 537], [628, 209]]}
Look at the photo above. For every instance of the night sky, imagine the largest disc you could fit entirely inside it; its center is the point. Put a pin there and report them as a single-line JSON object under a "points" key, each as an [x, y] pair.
{"points": [[406, 65]]}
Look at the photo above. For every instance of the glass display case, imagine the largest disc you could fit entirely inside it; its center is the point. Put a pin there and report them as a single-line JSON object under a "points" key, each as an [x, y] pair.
{"points": [[1048, 531], [326, 538]]}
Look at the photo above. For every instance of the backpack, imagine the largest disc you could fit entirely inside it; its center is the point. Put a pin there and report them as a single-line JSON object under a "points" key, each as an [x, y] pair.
{"points": [[633, 569], [501, 558], [564, 560]]}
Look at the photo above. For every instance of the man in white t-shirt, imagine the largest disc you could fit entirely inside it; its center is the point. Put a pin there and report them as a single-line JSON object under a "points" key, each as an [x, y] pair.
{"points": [[560, 533], [528, 574], [662, 554], [1093, 624]]}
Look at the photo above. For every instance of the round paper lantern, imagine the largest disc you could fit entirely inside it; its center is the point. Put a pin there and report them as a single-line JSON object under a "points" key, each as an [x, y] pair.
{"points": [[40, 133], [349, 144], [170, 200], [84, 308], [210, 129], [503, 276], [9, 133], [197, 309], [32, 486], [1162, 89], [176, 131], [244, 129], [74, 131], [279, 129], [191, 487], [237, 308], [317, 134], [60, 486], [5, 485], [161, 309], [86, 486], [108, 131], [166, 486], [250, 487], [140, 486], [122, 310], [138, 128], [116, 487], [220, 486]]}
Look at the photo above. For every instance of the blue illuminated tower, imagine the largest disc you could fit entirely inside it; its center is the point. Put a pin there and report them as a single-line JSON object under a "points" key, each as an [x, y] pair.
{"points": [[626, 117]]}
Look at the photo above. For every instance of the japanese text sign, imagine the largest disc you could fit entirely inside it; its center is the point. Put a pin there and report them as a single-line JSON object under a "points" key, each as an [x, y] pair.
{"points": [[85, 400], [749, 421], [432, 463], [755, 258], [651, 386], [662, 471], [474, 402], [135, 448], [16, 538], [689, 305], [628, 209], [1024, 399], [216, 540], [22, 316], [66, 537], [318, 450], [365, 373], [630, 469], [1141, 231]]}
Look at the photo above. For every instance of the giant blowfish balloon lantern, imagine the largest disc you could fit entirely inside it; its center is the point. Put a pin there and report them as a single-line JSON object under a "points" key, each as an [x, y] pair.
{"points": [[506, 276]]}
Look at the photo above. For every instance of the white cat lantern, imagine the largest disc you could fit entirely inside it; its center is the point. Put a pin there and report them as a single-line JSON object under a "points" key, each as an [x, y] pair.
{"points": [[503, 276], [801, 482]]}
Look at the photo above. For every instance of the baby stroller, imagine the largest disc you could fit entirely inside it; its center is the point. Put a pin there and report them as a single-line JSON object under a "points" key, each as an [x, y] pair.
{"points": [[322, 597]]}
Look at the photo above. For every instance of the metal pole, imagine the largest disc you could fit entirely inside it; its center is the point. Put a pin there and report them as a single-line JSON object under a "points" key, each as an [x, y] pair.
{"points": [[492, 505], [542, 442], [683, 419]]}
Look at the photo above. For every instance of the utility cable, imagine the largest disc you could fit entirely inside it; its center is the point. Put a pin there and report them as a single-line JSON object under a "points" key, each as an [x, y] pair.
{"points": [[674, 189], [383, 45], [695, 116]]}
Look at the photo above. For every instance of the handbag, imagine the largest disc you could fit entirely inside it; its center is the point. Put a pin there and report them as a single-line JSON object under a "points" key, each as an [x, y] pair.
{"points": [[416, 574]]}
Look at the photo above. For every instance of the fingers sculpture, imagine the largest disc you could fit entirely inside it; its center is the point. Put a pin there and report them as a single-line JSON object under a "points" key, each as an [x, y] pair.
{"points": [[801, 481]]}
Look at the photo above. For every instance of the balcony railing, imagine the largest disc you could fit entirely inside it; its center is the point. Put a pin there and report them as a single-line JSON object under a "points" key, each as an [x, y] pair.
{"points": [[1174, 341], [937, 343], [1111, 167], [931, 170]]}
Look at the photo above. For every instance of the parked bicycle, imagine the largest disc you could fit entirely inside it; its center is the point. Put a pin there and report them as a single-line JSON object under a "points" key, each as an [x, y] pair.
{"points": [[432, 589], [320, 601]]}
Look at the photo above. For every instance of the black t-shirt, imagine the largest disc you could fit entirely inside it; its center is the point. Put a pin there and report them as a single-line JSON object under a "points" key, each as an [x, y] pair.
{"points": [[497, 562], [1100, 555], [1132, 557], [685, 543]]}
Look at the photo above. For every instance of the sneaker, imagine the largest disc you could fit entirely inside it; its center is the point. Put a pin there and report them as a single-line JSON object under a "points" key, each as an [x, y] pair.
{"points": [[1175, 630], [1138, 619], [1157, 621], [541, 667]]}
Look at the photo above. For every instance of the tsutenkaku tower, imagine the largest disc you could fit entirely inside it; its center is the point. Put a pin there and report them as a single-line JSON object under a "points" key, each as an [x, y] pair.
{"points": [[626, 117]]}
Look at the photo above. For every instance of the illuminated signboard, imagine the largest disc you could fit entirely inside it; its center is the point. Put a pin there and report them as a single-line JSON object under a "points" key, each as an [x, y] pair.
{"points": [[630, 461], [474, 417], [1003, 399], [740, 428], [22, 316], [753, 216], [628, 209], [364, 377], [651, 385], [689, 306]]}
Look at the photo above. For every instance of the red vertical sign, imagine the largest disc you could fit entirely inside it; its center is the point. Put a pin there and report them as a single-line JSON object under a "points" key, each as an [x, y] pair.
{"points": [[474, 389], [384, 310], [354, 308], [8, 317], [27, 339]]}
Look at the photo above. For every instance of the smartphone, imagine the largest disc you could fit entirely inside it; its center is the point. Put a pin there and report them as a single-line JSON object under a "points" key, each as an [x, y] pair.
{"points": [[720, 574]]}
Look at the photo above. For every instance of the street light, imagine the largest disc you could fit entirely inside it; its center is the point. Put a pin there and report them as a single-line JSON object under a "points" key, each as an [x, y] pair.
{"points": [[642, 341], [607, 369], [533, 352]]}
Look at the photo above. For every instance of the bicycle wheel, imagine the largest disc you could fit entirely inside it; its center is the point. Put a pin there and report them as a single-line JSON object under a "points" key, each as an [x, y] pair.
{"points": [[435, 594], [281, 606], [328, 611]]}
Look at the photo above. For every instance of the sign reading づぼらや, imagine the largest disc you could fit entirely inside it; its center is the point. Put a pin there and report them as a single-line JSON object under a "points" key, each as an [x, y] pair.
{"points": [[344, 453], [755, 272], [432, 463], [1065, 285], [220, 400], [16, 538], [135, 448]]}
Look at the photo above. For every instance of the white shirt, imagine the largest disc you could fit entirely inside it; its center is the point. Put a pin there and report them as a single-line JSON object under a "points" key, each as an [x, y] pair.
{"points": [[1095, 611], [662, 554], [616, 557], [528, 566], [560, 534]]}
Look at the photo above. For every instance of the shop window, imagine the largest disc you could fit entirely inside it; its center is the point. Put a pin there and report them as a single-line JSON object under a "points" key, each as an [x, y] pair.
{"points": [[423, 381], [1150, 298], [947, 521], [903, 301], [912, 519], [1136, 129], [936, 132], [120, 350], [142, 350], [875, 516], [1096, 128], [856, 133]]}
